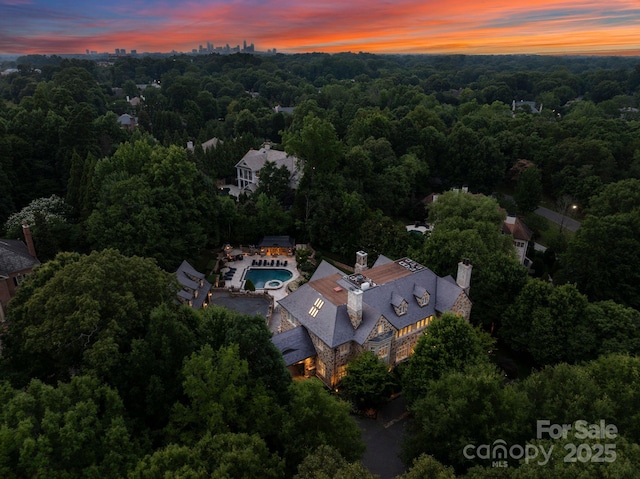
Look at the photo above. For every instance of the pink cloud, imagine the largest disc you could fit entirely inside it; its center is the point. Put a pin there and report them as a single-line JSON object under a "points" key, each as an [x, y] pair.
{"points": [[494, 26]]}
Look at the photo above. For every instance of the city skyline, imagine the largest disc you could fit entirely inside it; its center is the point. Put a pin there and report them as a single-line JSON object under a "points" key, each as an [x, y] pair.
{"points": [[406, 26], [207, 47]]}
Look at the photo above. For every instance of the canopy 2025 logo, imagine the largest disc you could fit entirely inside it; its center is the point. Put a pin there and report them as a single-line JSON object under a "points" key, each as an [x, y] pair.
{"points": [[500, 453]]}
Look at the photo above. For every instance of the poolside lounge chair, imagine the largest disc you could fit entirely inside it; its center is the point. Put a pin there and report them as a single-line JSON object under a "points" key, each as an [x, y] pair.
{"points": [[286, 262], [278, 262], [259, 262]]}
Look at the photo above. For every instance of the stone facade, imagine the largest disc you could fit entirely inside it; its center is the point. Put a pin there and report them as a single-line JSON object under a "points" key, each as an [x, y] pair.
{"points": [[384, 310], [462, 306]]}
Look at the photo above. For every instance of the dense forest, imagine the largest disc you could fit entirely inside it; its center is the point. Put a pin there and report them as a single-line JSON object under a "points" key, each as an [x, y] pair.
{"points": [[104, 376]]}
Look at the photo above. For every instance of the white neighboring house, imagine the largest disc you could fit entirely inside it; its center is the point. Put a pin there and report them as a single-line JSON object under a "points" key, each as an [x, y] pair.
{"points": [[248, 168], [521, 236]]}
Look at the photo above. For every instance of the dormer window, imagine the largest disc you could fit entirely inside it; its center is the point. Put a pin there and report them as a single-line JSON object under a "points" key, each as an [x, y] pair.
{"points": [[422, 295], [399, 304], [402, 309]]}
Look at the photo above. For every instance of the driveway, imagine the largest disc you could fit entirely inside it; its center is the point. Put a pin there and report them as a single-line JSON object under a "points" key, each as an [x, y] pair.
{"points": [[383, 437]]}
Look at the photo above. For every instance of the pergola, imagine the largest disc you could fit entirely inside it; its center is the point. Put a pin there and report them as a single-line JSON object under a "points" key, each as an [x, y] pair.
{"points": [[277, 245]]}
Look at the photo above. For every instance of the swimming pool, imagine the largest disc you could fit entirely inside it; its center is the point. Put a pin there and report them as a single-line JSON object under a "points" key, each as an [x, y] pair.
{"points": [[262, 276]]}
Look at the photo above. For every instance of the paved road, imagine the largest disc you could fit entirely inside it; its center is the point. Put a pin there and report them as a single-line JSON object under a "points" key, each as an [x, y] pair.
{"points": [[565, 221]]}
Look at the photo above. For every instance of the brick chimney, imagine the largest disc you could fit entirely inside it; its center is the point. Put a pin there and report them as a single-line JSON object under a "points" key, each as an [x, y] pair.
{"points": [[361, 262], [28, 239]]}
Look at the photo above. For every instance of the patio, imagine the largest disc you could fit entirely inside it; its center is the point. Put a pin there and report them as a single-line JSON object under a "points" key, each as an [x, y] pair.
{"points": [[233, 272]]}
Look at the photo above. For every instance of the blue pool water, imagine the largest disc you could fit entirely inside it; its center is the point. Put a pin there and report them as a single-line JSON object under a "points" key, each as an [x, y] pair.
{"points": [[261, 276]]}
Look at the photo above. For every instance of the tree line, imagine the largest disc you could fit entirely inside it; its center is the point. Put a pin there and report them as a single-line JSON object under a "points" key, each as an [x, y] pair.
{"points": [[94, 334]]}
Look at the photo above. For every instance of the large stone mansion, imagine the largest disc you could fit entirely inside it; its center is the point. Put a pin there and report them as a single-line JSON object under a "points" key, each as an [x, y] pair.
{"points": [[335, 316]]}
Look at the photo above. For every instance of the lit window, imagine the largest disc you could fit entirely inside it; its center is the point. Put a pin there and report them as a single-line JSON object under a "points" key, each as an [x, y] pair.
{"points": [[342, 371], [320, 368], [383, 352], [404, 331], [403, 351]]}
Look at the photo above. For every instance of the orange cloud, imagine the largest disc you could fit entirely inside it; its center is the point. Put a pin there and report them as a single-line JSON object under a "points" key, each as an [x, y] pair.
{"points": [[407, 26]]}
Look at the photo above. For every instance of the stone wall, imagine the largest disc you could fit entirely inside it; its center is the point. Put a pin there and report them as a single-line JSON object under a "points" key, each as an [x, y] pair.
{"points": [[325, 354], [462, 306]]}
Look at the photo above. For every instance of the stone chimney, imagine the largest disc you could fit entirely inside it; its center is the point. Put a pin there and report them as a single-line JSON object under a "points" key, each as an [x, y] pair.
{"points": [[361, 262], [354, 307], [463, 278], [28, 239]]}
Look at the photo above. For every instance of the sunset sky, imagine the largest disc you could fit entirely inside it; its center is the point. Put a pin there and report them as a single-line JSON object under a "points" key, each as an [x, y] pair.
{"points": [[377, 26]]}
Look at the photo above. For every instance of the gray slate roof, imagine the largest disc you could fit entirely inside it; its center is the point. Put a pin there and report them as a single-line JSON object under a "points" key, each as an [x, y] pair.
{"points": [[15, 257], [295, 345], [185, 274], [280, 241], [331, 322], [256, 159]]}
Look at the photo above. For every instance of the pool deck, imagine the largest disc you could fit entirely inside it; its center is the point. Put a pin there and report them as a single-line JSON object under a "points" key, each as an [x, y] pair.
{"points": [[246, 262]]}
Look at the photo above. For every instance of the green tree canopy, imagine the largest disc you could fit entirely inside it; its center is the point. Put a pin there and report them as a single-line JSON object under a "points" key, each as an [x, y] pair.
{"points": [[368, 382], [449, 343], [80, 314], [603, 258], [222, 327], [75, 429], [469, 407], [551, 323], [152, 201], [315, 418], [426, 466], [528, 190], [222, 397], [224, 455], [327, 463]]}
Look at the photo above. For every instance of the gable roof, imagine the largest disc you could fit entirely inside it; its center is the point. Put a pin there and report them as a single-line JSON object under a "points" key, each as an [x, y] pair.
{"points": [[255, 160], [212, 143], [321, 304], [517, 229], [15, 257], [190, 279], [295, 345]]}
